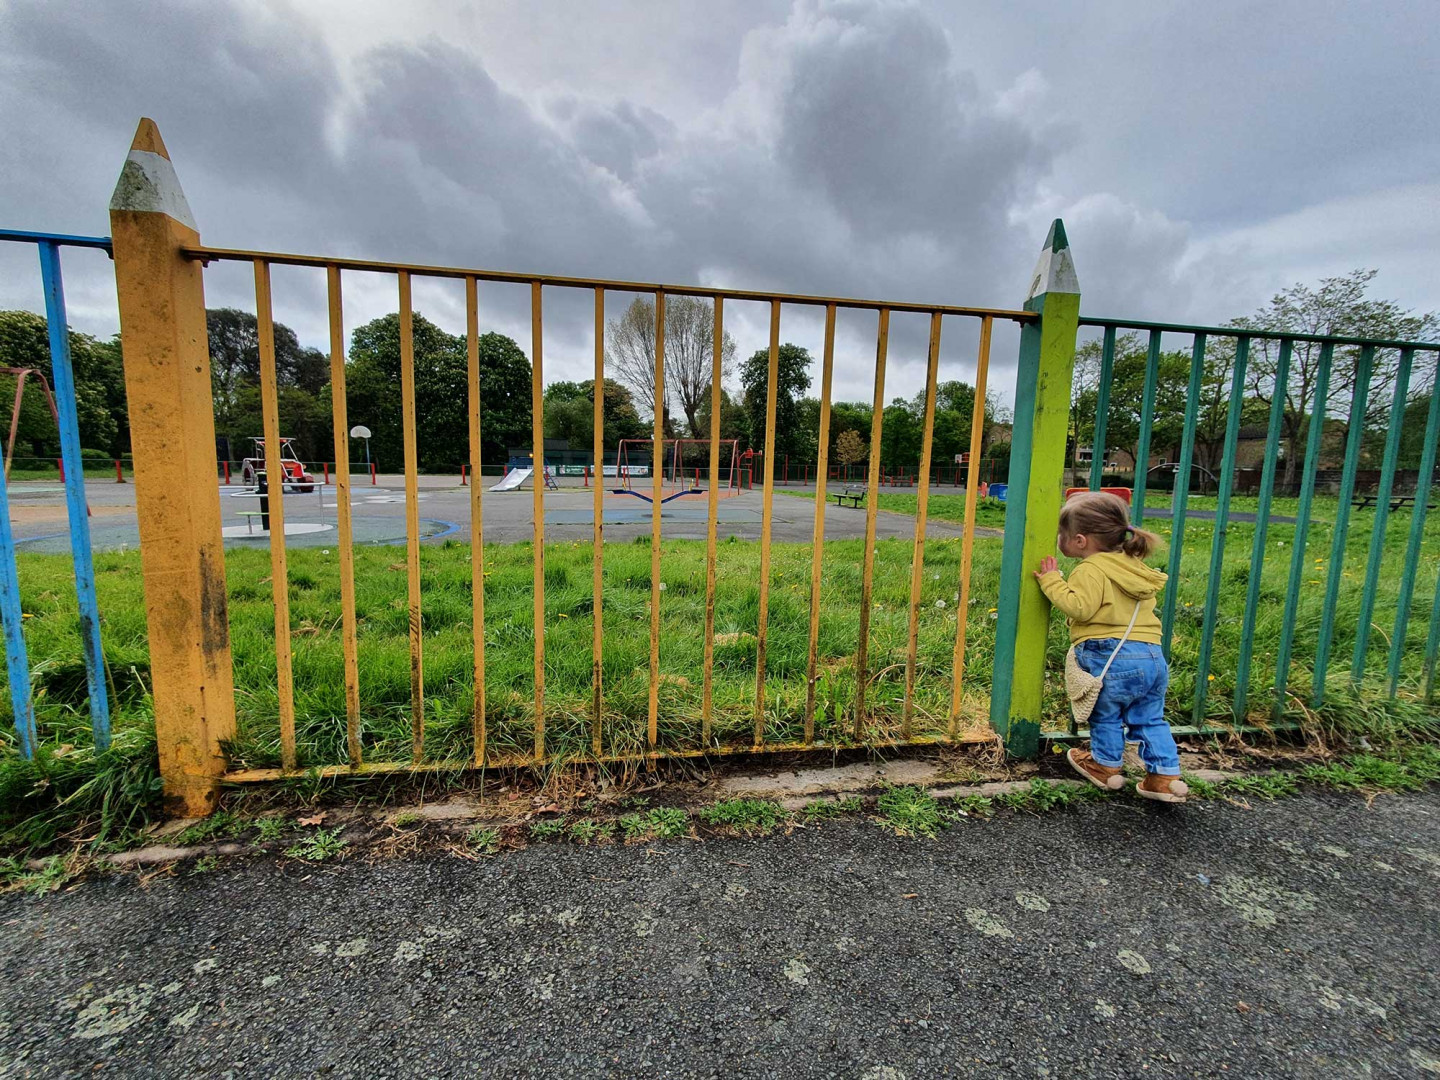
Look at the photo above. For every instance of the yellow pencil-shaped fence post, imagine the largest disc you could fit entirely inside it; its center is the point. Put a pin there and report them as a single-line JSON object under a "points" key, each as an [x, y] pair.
{"points": [[1036, 490], [177, 494]]}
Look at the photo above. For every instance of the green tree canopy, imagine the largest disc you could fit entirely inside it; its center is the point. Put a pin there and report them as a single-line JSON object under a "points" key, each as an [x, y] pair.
{"points": [[99, 388], [302, 378], [793, 380], [441, 393], [570, 414]]}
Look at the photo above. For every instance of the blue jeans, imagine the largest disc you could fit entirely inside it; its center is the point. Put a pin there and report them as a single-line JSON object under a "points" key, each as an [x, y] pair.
{"points": [[1131, 704]]}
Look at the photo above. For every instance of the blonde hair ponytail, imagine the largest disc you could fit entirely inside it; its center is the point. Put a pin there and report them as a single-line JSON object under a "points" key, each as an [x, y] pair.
{"points": [[1106, 519]]}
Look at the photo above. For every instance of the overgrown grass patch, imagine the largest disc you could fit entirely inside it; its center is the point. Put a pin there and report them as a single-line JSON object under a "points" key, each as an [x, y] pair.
{"points": [[319, 846], [911, 811], [745, 815]]}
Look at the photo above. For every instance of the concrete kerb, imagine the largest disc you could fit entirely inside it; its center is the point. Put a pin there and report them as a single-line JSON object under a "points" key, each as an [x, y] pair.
{"points": [[792, 790]]}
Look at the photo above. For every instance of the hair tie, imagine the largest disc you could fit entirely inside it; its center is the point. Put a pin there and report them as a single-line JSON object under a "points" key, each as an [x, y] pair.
{"points": [[1130, 529]]}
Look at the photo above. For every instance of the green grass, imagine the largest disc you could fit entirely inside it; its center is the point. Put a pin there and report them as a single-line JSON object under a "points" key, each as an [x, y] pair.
{"points": [[589, 831], [826, 809], [319, 846], [221, 823], [269, 829], [747, 815], [483, 839], [911, 811], [989, 513], [547, 830], [69, 791]]}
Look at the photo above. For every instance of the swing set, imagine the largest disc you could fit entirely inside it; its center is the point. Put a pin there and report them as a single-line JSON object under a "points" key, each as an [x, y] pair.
{"points": [[684, 465]]}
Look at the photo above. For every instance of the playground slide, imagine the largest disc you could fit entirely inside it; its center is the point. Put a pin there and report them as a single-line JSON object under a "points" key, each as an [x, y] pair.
{"points": [[513, 479]]}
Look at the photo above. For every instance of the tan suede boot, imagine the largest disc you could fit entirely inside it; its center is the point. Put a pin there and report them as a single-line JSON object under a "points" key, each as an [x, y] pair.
{"points": [[1102, 776], [1162, 788]]}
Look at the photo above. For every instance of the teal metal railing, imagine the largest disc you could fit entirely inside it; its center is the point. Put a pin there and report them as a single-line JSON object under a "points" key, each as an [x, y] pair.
{"points": [[1360, 430]]}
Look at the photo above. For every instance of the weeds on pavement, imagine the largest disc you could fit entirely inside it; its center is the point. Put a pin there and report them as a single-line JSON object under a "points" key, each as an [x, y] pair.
{"points": [[745, 815], [319, 846]]}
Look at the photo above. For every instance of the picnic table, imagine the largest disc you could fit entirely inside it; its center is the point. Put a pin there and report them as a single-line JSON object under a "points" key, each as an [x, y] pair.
{"points": [[1366, 502], [854, 495]]}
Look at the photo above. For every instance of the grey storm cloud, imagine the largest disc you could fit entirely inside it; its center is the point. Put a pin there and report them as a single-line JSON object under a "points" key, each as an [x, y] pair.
{"points": [[860, 147]]}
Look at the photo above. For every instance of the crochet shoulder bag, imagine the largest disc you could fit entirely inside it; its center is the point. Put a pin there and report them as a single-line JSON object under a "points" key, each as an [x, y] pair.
{"points": [[1082, 688]]}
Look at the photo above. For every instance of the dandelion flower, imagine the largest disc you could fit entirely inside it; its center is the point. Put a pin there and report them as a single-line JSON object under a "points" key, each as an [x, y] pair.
{"points": [[1210, 678], [940, 603]]}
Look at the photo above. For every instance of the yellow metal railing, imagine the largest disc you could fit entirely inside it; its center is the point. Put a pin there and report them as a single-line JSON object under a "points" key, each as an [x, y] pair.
{"points": [[405, 273]]}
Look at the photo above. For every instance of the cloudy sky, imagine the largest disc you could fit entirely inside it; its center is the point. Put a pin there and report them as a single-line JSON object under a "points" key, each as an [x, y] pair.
{"points": [[1202, 155]]}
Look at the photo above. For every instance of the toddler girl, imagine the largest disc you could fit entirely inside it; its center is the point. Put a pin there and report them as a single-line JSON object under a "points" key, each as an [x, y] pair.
{"points": [[1111, 586]]}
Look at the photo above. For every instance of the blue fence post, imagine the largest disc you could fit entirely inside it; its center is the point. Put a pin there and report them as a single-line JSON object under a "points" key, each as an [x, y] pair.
{"points": [[17, 660], [63, 375]]}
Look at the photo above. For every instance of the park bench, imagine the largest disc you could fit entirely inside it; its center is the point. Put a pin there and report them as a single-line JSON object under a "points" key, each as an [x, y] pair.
{"points": [[854, 495], [1366, 502]]}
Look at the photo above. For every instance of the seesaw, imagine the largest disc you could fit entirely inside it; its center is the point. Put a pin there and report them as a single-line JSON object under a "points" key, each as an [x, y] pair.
{"points": [[648, 499]]}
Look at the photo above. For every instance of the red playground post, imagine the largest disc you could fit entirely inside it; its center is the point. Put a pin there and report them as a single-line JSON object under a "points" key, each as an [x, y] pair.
{"points": [[372, 474], [326, 464], [587, 476], [119, 476], [227, 471], [463, 467]]}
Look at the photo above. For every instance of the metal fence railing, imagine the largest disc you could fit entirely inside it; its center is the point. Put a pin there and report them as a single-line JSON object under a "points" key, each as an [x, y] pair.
{"points": [[159, 267], [72, 470], [1349, 418]]}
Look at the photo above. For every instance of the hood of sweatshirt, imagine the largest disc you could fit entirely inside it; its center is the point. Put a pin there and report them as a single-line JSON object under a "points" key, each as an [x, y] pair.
{"points": [[1130, 575]]}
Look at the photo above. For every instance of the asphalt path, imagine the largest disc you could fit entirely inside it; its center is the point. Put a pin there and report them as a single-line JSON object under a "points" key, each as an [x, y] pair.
{"points": [[1295, 938]]}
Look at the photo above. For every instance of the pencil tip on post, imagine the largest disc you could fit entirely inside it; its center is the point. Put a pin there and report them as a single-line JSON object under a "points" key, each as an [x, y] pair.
{"points": [[1056, 240], [1055, 272], [148, 183], [147, 137]]}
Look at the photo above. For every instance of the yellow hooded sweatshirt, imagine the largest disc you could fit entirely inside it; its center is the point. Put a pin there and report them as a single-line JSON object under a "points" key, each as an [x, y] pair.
{"points": [[1103, 592]]}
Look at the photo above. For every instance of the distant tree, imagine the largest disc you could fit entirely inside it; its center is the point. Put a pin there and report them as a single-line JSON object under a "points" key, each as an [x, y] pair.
{"points": [[99, 388], [302, 377], [850, 448], [1127, 386], [734, 420], [570, 414], [850, 416], [807, 429], [793, 380], [689, 354], [1339, 306], [902, 433], [441, 393]]}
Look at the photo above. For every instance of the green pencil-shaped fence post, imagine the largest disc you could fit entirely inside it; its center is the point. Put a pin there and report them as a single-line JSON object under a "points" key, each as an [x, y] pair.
{"points": [[1037, 467]]}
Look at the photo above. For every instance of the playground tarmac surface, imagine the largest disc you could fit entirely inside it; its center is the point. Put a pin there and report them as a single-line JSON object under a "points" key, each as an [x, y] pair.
{"points": [[1293, 938], [378, 514]]}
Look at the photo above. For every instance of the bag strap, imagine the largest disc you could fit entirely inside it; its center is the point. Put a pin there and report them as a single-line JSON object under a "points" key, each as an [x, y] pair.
{"points": [[1133, 616]]}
